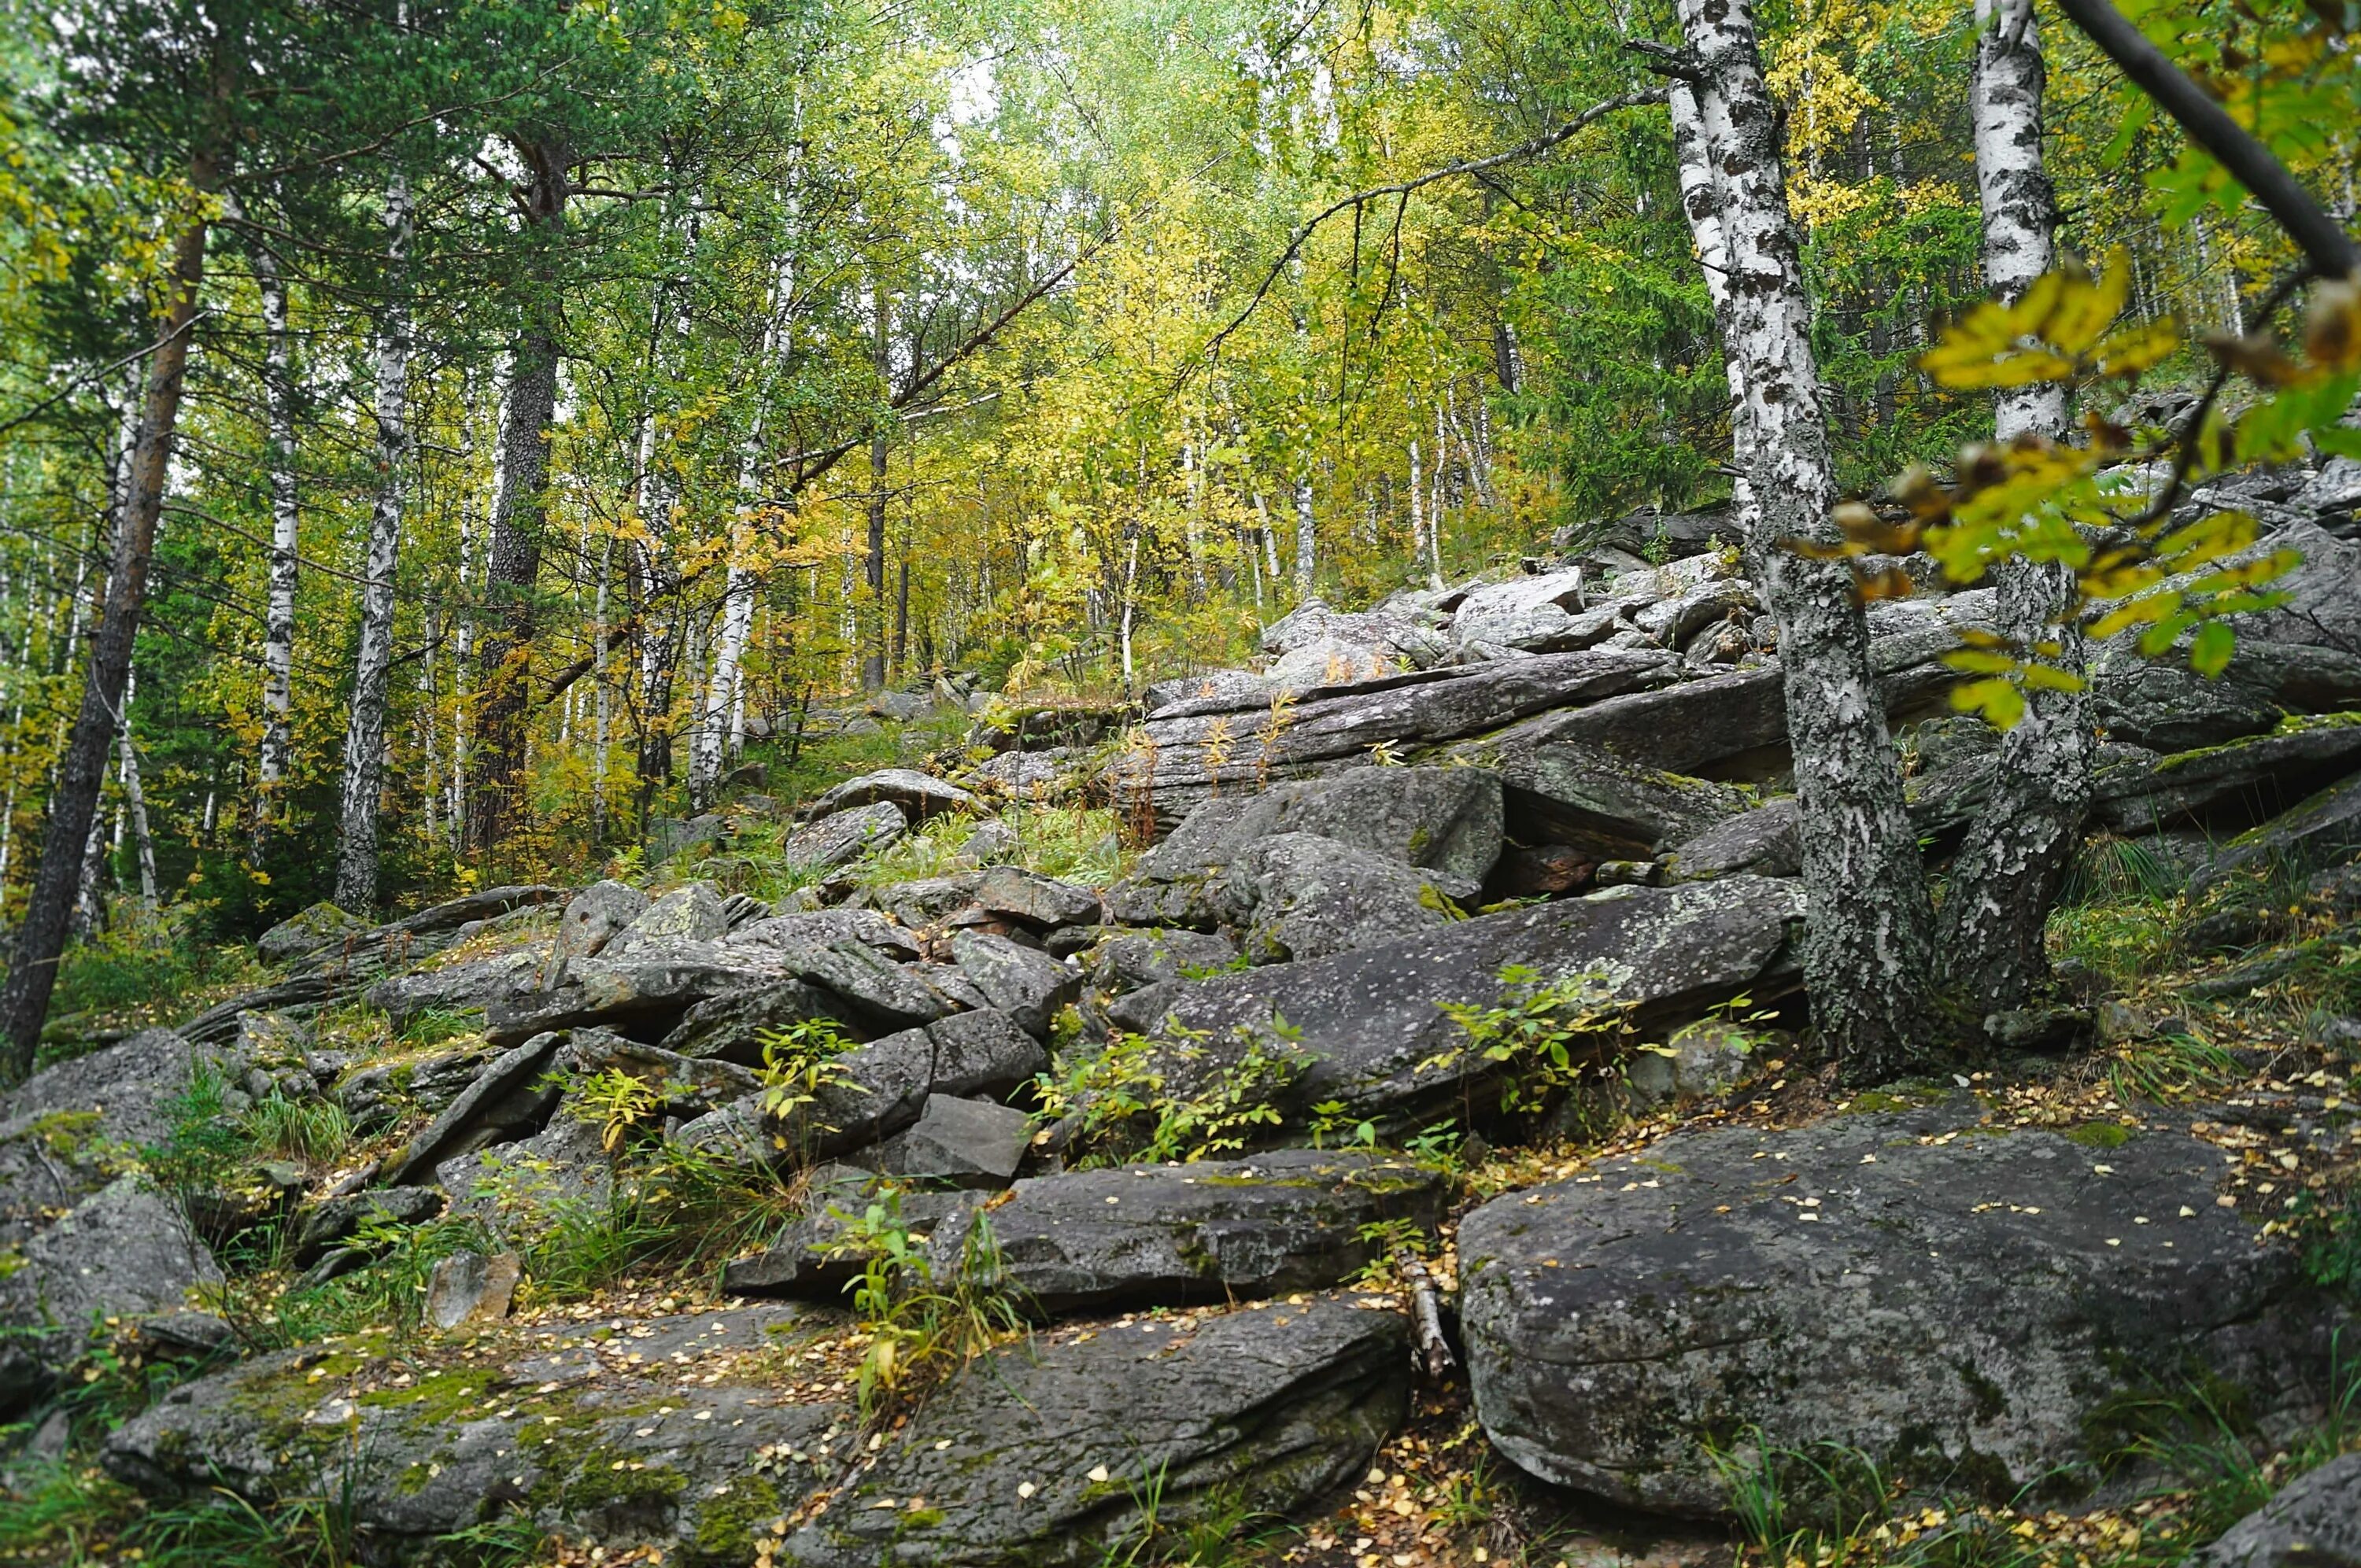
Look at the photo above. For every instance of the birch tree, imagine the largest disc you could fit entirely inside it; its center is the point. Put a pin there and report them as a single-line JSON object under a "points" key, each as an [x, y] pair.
{"points": [[278, 394], [364, 731], [1867, 953], [2005, 874]]}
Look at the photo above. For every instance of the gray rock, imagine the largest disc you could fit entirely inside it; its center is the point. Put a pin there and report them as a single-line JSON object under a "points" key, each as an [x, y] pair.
{"points": [[595, 916], [1588, 797], [2230, 781], [919, 796], [461, 987], [1964, 1306], [1030, 986], [1260, 1411], [730, 1027], [683, 1085], [844, 836], [122, 1252], [383, 1092], [1210, 686], [2316, 1520], [1761, 842], [983, 1052], [1369, 1019], [333, 1219], [1193, 750], [1212, 1231], [689, 914], [470, 1288], [412, 1463], [1546, 614], [308, 932], [964, 1143], [1445, 820], [1127, 961], [2325, 830], [824, 1252], [507, 1099], [1040, 901], [995, 841], [1309, 896], [645, 992]]}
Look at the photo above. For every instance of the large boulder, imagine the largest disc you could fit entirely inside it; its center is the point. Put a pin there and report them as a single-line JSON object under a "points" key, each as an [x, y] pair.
{"points": [[810, 929], [958, 1142], [1968, 1306], [919, 796], [379, 1094], [1026, 984], [1049, 1453], [1125, 960], [1041, 902], [1193, 750], [816, 1256], [2325, 830], [1445, 820], [507, 1099], [844, 836], [1570, 792], [682, 1443], [1210, 1231], [2228, 786], [689, 914], [1392, 634], [458, 987], [2315, 1520], [1371, 1024], [308, 931], [736, 1025], [1308, 896], [1763, 841], [121, 1253]]}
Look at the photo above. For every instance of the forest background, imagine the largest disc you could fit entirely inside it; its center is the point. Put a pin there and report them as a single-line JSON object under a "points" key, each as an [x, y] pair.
{"points": [[577, 393]]}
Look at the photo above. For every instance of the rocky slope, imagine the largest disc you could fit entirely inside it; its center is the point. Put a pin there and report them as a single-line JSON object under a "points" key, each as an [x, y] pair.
{"points": [[1137, 1170]]}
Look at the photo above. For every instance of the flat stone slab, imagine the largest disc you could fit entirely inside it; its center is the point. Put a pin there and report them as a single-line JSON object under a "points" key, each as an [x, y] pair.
{"points": [[614, 1434], [1964, 1304], [1047, 1453], [1174, 1235], [1370, 1020]]}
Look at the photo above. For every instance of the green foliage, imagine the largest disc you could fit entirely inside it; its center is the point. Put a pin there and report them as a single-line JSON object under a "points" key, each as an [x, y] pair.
{"points": [[614, 1101], [919, 1326], [1539, 1035], [312, 1130], [1176, 1099]]}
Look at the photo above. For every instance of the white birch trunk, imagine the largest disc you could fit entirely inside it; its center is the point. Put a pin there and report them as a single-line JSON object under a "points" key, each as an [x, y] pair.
{"points": [[1701, 201], [365, 732], [2006, 871], [135, 801], [1307, 538], [278, 612], [1867, 949]]}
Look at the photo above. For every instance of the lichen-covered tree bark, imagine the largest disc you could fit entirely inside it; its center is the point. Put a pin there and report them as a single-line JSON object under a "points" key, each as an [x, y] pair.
{"points": [[1867, 959], [365, 734], [2007, 869]]}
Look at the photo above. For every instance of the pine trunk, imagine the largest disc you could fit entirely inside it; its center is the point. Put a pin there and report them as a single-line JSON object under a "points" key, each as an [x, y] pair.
{"points": [[520, 516], [2006, 871], [73, 806], [1867, 950], [364, 731]]}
